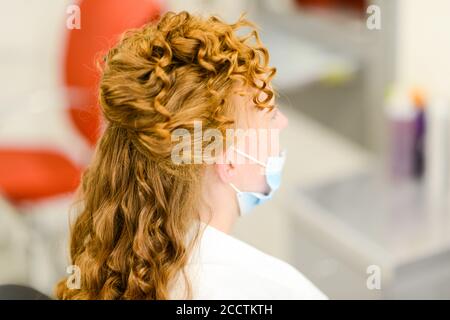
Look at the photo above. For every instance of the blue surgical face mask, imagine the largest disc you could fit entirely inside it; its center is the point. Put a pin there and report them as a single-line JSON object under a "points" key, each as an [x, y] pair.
{"points": [[273, 169]]}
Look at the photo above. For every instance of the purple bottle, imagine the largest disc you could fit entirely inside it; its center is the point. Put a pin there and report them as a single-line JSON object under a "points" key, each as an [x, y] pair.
{"points": [[419, 137], [402, 136]]}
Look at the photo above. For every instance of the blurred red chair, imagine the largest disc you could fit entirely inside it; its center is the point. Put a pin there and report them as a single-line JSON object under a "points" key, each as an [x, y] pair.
{"points": [[37, 174]]}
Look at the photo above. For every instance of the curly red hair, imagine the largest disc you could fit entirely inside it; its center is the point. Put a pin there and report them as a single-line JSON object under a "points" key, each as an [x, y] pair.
{"points": [[137, 206]]}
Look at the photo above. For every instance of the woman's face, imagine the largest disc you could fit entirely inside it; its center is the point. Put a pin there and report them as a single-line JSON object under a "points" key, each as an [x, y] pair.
{"points": [[262, 141]]}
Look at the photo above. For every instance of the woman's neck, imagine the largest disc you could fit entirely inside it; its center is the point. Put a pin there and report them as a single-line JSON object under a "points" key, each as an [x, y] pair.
{"points": [[219, 207]]}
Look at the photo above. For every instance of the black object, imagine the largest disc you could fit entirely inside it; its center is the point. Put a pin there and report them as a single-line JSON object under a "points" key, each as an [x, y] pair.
{"points": [[18, 292]]}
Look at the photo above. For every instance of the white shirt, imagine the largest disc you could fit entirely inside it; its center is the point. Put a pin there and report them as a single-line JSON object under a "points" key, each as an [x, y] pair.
{"points": [[223, 267]]}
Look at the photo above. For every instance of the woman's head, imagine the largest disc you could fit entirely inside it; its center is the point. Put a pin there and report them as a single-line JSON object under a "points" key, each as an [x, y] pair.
{"points": [[258, 140], [137, 204]]}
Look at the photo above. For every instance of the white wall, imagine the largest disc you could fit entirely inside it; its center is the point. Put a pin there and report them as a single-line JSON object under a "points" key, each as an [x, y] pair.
{"points": [[423, 56], [32, 104]]}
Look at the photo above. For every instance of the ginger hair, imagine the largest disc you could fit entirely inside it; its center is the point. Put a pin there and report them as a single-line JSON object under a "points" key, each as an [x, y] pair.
{"points": [[129, 236]]}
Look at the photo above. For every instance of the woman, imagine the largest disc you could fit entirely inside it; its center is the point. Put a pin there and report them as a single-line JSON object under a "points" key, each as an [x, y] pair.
{"points": [[154, 221]]}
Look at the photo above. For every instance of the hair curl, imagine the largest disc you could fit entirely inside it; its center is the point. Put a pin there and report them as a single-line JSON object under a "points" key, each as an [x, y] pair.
{"points": [[129, 238]]}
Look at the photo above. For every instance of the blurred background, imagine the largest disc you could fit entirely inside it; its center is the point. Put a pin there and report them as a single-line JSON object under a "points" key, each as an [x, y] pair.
{"points": [[363, 209]]}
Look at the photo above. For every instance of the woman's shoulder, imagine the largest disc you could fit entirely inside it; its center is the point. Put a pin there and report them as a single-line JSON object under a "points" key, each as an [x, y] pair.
{"points": [[241, 270]]}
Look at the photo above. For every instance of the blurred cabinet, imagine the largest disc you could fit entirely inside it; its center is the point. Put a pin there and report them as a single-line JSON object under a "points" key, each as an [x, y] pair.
{"points": [[353, 66], [342, 227]]}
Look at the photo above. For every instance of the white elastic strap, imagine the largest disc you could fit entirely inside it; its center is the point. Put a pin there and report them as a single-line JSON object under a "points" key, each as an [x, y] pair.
{"points": [[234, 187], [248, 156]]}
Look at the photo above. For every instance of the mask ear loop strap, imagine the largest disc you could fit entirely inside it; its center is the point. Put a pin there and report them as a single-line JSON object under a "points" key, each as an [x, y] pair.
{"points": [[249, 157], [234, 187]]}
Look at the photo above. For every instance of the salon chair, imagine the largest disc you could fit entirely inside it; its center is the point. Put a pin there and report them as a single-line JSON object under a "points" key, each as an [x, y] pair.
{"points": [[18, 292]]}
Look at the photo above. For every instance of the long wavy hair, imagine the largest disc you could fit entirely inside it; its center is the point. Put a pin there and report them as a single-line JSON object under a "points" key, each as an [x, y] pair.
{"points": [[129, 237]]}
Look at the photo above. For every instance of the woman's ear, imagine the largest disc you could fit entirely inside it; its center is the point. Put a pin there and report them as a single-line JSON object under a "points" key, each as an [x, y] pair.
{"points": [[226, 172]]}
